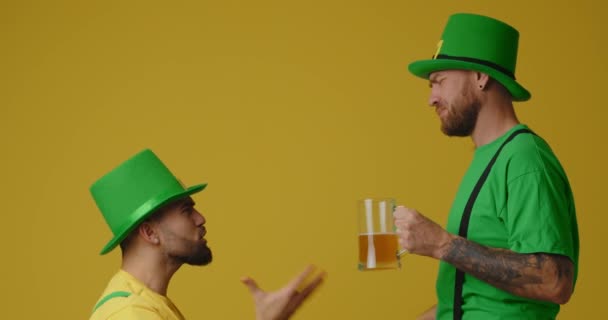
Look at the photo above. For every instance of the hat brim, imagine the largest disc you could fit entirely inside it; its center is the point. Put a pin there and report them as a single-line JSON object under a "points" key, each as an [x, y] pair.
{"points": [[145, 211], [423, 68]]}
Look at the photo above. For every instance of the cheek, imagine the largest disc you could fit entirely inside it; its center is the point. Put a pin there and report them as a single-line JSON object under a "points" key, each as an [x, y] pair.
{"points": [[173, 231], [449, 96]]}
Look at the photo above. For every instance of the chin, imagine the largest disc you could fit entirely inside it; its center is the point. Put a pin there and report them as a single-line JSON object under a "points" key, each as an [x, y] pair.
{"points": [[200, 257]]}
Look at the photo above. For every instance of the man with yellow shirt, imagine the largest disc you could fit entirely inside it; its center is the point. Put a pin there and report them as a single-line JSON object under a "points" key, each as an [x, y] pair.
{"points": [[153, 219]]}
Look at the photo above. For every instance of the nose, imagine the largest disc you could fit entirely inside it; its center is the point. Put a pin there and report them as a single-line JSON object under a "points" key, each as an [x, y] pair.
{"points": [[199, 220], [433, 99]]}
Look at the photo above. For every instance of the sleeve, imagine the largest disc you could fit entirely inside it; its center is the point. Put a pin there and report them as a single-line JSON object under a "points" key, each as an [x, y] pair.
{"points": [[538, 215]]}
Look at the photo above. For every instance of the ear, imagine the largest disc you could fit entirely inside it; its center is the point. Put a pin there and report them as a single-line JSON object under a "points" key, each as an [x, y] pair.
{"points": [[147, 231], [481, 79]]}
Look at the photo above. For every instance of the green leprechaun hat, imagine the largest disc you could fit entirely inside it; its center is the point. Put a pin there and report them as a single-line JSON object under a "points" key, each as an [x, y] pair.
{"points": [[479, 43], [134, 190]]}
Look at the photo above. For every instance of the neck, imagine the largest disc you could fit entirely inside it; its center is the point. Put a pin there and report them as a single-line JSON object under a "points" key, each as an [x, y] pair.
{"points": [[496, 117], [152, 269]]}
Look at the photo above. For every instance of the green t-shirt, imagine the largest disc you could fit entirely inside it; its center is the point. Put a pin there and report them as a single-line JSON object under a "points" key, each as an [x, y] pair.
{"points": [[525, 205]]}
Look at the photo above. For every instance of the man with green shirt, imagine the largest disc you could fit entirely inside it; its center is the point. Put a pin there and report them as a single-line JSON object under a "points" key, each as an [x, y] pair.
{"points": [[153, 219], [510, 248]]}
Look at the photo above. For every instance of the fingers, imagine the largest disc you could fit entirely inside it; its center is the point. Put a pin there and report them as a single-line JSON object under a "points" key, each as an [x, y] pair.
{"points": [[404, 245], [402, 212], [293, 285], [251, 285], [405, 218], [295, 282], [312, 286], [300, 296]]}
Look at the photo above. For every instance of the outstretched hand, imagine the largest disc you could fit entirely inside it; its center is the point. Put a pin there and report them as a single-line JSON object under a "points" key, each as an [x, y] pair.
{"points": [[281, 304]]}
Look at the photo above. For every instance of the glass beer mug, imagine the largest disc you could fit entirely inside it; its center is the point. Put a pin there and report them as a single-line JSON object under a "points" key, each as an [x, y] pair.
{"points": [[378, 243]]}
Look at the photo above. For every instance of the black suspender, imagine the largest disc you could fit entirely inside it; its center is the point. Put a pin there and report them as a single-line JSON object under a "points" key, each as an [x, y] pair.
{"points": [[466, 216]]}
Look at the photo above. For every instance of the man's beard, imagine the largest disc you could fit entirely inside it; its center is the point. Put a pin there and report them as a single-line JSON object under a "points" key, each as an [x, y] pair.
{"points": [[461, 118], [200, 256]]}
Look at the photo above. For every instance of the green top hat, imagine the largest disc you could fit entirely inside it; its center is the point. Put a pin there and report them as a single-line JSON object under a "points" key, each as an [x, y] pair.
{"points": [[479, 43], [132, 191]]}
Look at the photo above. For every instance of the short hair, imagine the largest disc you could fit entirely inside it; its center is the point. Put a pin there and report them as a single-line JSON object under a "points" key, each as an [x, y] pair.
{"points": [[154, 216]]}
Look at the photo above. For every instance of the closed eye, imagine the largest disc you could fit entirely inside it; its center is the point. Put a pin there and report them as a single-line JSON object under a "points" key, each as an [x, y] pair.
{"points": [[187, 207], [436, 79]]}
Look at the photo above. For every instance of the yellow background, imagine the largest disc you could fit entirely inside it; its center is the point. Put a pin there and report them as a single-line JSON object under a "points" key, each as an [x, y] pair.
{"points": [[291, 110]]}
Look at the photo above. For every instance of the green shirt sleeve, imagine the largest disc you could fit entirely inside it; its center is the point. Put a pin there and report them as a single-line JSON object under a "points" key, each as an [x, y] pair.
{"points": [[537, 216]]}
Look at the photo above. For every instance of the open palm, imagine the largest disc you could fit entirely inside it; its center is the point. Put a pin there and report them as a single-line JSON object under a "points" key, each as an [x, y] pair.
{"points": [[281, 304]]}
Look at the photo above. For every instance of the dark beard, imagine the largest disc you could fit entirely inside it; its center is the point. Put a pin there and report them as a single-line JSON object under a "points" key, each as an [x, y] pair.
{"points": [[202, 256], [461, 121]]}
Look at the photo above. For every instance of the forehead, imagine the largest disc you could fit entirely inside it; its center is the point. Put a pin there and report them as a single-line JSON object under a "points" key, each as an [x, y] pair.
{"points": [[176, 205], [180, 203], [448, 73]]}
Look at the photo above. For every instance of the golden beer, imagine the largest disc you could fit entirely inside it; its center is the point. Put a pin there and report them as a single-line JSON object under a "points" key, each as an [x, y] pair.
{"points": [[385, 246]]}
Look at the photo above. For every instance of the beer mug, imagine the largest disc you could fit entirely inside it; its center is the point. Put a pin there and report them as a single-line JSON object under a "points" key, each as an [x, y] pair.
{"points": [[378, 243]]}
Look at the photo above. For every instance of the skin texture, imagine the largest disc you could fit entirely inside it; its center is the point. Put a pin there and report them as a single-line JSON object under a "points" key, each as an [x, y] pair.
{"points": [[281, 304], [539, 275]]}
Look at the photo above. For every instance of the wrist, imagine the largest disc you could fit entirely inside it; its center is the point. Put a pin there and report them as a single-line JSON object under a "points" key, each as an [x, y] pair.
{"points": [[444, 245]]}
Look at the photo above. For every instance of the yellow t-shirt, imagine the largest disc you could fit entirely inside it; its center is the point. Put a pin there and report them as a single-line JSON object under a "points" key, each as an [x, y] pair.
{"points": [[141, 304]]}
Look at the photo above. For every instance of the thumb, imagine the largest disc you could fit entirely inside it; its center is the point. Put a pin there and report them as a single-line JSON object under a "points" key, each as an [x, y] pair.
{"points": [[250, 284]]}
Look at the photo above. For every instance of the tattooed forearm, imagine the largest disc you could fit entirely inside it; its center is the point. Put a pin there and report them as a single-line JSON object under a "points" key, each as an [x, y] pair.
{"points": [[538, 275], [496, 266]]}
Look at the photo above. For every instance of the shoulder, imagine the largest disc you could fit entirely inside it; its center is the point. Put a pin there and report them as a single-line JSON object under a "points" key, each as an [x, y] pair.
{"points": [[528, 153], [527, 146], [127, 310], [136, 312]]}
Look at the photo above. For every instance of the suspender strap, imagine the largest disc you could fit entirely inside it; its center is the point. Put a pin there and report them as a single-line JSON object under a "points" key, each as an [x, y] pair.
{"points": [[115, 294], [466, 217]]}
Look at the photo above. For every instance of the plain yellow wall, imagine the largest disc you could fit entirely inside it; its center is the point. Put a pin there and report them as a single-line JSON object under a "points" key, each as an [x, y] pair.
{"points": [[291, 110]]}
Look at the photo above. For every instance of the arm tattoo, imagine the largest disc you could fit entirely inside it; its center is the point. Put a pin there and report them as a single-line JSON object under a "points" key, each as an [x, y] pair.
{"points": [[522, 274]]}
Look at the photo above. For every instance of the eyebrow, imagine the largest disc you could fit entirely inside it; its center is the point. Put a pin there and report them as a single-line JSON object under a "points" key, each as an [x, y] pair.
{"points": [[187, 203], [435, 78]]}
